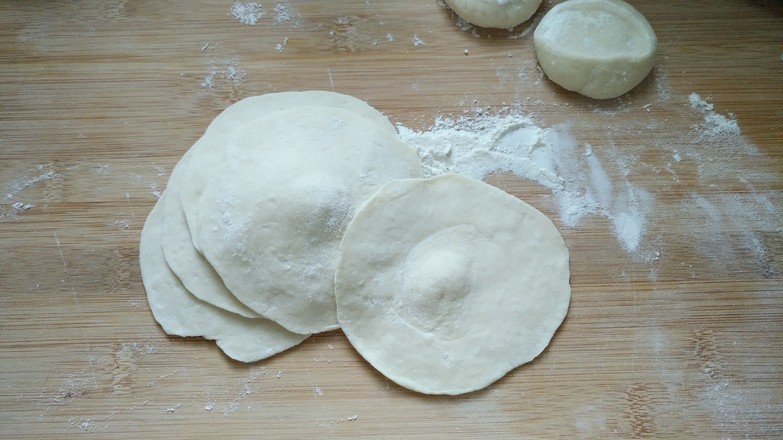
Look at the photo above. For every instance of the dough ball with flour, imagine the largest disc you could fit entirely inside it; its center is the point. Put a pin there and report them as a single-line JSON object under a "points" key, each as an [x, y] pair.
{"points": [[271, 218], [501, 14], [599, 48], [446, 284], [180, 313]]}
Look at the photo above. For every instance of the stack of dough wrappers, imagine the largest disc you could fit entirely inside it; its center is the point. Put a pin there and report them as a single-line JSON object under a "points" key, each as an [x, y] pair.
{"points": [[303, 212]]}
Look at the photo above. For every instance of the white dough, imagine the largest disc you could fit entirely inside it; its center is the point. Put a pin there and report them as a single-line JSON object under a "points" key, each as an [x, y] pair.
{"points": [[271, 218], [195, 273], [599, 48], [502, 14], [208, 150], [179, 313], [446, 284]]}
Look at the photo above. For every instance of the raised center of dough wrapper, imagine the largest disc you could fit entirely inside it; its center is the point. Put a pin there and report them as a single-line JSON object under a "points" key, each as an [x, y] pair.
{"points": [[437, 280], [272, 222]]}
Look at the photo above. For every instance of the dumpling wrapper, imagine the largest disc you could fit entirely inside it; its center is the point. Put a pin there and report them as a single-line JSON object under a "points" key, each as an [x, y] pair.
{"points": [[209, 150], [271, 219], [192, 269], [446, 284], [180, 313]]}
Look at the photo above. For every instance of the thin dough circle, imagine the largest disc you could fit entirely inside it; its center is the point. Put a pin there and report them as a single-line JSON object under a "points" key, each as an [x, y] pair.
{"points": [[195, 273], [446, 284], [271, 219], [180, 313], [502, 14], [598, 48], [208, 150]]}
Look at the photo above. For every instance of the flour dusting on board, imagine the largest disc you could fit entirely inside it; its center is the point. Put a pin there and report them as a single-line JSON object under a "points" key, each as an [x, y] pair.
{"points": [[598, 180], [513, 142], [225, 71], [42, 172], [13, 203], [283, 11], [247, 13], [715, 124]]}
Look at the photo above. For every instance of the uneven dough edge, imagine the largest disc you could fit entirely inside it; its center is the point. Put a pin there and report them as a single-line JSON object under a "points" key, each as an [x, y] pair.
{"points": [[190, 267], [429, 381], [222, 229], [179, 313], [208, 149]]}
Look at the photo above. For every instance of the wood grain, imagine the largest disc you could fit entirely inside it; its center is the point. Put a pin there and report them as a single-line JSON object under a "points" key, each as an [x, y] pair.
{"points": [[682, 338]]}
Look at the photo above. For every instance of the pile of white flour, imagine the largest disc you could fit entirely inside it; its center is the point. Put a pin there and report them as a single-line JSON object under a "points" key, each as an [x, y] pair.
{"points": [[513, 142], [600, 182]]}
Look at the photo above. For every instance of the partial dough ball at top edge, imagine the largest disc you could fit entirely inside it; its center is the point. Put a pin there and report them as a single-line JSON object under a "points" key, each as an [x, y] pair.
{"points": [[500, 14], [599, 48]]}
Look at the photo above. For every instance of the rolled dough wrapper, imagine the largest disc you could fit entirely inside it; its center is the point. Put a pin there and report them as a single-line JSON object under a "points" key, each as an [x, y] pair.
{"points": [[503, 14], [271, 219], [598, 48], [180, 313], [446, 284], [192, 269], [208, 150]]}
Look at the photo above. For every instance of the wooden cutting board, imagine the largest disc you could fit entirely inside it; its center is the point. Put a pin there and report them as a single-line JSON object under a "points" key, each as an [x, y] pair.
{"points": [[680, 336]]}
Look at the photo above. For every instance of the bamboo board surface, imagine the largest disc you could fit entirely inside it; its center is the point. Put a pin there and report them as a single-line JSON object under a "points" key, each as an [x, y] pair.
{"points": [[679, 337]]}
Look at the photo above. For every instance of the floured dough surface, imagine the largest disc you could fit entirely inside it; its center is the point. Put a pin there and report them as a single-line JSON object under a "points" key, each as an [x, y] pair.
{"points": [[209, 150], [502, 14], [446, 284], [180, 313], [271, 218], [195, 273], [599, 48]]}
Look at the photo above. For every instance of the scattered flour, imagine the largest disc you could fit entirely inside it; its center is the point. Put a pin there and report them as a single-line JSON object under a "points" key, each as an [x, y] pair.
{"points": [[283, 12], [418, 42], [247, 13], [227, 70], [279, 47], [155, 191], [43, 173], [86, 425], [598, 180], [40, 173], [102, 169], [715, 124], [513, 142], [21, 206]]}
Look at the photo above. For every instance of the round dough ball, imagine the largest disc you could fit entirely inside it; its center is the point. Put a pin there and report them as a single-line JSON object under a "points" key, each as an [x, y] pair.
{"points": [[501, 14], [180, 313], [599, 48], [271, 218], [446, 284]]}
